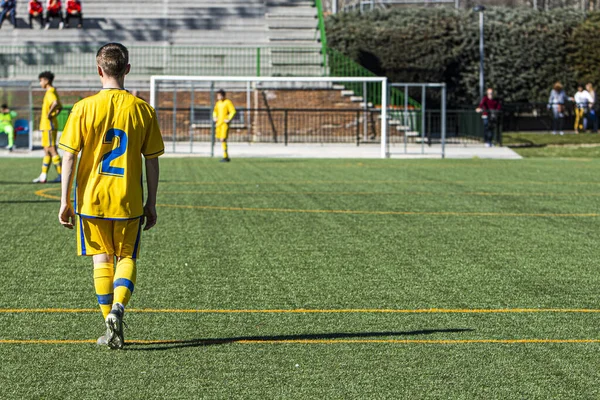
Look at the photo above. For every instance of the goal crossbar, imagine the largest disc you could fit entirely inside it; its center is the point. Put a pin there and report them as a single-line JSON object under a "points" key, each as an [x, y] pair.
{"points": [[256, 79]]}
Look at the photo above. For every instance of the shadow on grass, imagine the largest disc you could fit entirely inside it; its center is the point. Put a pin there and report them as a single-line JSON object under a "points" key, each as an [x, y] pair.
{"points": [[178, 344]]}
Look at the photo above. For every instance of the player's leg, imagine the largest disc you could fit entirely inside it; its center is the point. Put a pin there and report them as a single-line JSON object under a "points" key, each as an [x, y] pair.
{"points": [[10, 132], [126, 236], [45, 161], [222, 134], [56, 160]]}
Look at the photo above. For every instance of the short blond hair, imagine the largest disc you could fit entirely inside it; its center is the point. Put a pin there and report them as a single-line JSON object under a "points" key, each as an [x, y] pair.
{"points": [[113, 58]]}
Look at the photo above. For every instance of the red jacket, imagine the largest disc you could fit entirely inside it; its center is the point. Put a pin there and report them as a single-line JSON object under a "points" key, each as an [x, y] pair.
{"points": [[35, 7], [73, 6], [54, 8], [488, 104]]}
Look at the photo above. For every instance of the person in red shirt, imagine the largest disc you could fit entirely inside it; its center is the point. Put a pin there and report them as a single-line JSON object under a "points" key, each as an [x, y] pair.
{"points": [[489, 107], [36, 10], [74, 10], [54, 10]]}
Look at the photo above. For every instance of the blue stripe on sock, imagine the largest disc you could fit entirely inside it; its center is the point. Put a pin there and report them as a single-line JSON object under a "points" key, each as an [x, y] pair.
{"points": [[105, 299], [46, 165], [124, 282]]}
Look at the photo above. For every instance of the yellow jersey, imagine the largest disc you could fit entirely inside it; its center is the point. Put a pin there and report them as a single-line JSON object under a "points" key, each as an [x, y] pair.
{"points": [[224, 110], [112, 130], [49, 124]]}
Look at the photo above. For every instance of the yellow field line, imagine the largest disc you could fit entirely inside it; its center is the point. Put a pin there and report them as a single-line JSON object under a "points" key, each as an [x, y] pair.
{"points": [[313, 311], [364, 212], [43, 193], [318, 341], [535, 194], [390, 182]]}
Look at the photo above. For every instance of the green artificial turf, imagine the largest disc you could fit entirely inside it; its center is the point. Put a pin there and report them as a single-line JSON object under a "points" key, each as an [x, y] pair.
{"points": [[261, 234]]}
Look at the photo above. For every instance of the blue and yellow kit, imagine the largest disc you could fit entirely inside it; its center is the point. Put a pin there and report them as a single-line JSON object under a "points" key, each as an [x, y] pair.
{"points": [[112, 130], [49, 126]]}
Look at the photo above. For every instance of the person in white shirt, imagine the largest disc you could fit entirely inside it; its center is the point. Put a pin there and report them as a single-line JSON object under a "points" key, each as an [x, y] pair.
{"points": [[583, 100], [593, 107]]}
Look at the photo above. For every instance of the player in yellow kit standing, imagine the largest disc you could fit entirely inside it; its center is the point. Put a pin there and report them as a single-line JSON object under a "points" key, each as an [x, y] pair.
{"points": [[222, 115], [112, 130], [51, 107]]}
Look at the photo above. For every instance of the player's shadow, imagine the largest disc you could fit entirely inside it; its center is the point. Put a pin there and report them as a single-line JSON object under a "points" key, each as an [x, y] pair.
{"points": [[178, 344]]}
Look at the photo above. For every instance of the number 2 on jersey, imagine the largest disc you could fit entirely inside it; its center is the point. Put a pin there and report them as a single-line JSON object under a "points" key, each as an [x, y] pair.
{"points": [[109, 137]]}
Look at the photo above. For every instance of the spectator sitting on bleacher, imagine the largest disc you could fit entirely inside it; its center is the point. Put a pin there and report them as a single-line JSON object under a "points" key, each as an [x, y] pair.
{"points": [[36, 10], [74, 10], [6, 125], [53, 10], [9, 7]]}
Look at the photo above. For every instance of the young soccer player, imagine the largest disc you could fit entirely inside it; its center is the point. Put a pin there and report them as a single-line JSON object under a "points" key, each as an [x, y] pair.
{"points": [[222, 115], [51, 107], [6, 125], [112, 130]]}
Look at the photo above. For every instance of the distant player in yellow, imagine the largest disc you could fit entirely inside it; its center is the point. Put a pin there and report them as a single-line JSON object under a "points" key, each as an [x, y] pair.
{"points": [[51, 107], [222, 115], [112, 130]]}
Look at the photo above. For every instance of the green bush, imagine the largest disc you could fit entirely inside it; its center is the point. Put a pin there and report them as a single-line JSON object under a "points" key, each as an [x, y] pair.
{"points": [[526, 51], [584, 53]]}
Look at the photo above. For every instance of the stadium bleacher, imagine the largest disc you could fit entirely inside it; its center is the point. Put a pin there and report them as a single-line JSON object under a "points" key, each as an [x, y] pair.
{"points": [[282, 28]]}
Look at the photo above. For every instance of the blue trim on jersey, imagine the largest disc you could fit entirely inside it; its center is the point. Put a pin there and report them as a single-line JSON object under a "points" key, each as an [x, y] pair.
{"points": [[105, 299], [82, 238], [137, 241], [124, 282], [110, 219]]}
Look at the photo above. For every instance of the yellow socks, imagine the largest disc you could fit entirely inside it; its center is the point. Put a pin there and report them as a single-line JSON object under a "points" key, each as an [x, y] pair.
{"points": [[57, 163], [124, 282], [45, 164], [103, 282], [224, 147]]}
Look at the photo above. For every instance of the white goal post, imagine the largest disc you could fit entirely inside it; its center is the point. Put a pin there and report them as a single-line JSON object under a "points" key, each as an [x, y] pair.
{"points": [[157, 82]]}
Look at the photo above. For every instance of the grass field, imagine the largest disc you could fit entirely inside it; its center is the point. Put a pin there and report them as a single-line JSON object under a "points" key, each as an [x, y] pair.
{"points": [[418, 279]]}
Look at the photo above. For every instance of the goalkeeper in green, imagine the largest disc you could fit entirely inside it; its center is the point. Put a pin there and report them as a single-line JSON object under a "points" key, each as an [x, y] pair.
{"points": [[6, 125]]}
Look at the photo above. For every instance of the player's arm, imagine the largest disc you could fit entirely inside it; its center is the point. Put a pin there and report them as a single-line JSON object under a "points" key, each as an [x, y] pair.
{"points": [[152, 173], [66, 215], [230, 112], [55, 109]]}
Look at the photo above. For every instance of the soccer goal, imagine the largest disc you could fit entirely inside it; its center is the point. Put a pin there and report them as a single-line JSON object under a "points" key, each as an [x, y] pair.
{"points": [[331, 116], [417, 126]]}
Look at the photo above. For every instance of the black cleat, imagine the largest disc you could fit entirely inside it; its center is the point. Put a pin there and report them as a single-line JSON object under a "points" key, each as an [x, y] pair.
{"points": [[225, 160], [114, 328]]}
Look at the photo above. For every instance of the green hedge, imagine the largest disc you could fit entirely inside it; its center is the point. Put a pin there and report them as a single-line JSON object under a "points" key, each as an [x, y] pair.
{"points": [[526, 50]]}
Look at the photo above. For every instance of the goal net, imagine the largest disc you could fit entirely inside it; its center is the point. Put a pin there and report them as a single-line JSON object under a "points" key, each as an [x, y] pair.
{"points": [[275, 114]]}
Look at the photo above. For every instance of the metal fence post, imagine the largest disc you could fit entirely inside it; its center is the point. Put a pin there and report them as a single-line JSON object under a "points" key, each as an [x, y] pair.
{"points": [[423, 111], [366, 108], [258, 61], [444, 120], [285, 126], [174, 116], [406, 119], [192, 118]]}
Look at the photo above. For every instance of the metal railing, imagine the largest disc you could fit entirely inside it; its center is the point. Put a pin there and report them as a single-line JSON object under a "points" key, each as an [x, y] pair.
{"points": [[288, 126]]}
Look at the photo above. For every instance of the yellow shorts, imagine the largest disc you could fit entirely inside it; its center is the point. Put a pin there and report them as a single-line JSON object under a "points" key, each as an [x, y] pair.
{"points": [[106, 236], [49, 138], [222, 131]]}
